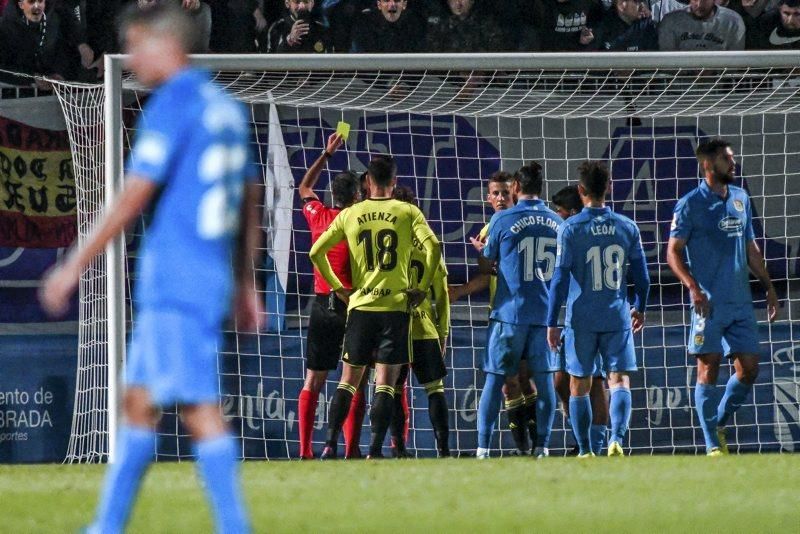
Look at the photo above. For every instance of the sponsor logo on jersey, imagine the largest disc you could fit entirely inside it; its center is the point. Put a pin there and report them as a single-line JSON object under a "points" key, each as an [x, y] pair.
{"points": [[731, 225], [777, 40], [738, 204]]}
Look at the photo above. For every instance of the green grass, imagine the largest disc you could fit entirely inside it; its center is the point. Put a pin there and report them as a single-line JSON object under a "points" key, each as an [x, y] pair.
{"points": [[748, 493]]}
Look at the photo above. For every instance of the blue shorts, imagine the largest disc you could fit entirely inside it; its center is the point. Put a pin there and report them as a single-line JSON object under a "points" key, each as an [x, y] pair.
{"points": [[597, 372], [508, 343], [582, 349], [728, 330], [173, 355]]}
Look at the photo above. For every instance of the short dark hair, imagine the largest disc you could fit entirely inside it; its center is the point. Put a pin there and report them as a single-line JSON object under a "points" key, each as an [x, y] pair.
{"points": [[568, 198], [405, 194], [710, 148], [345, 187], [382, 169], [165, 18], [789, 3], [500, 177], [529, 178], [594, 177]]}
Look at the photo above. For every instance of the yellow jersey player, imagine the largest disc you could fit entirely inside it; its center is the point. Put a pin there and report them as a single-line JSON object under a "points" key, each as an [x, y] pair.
{"points": [[430, 326], [380, 233]]}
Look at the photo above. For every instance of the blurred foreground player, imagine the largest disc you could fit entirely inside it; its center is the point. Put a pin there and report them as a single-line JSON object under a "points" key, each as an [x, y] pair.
{"points": [[328, 312], [713, 226], [191, 153], [380, 233], [595, 248]]}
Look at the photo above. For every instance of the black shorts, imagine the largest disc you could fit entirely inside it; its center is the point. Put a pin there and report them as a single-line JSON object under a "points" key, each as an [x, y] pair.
{"points": [[325, 332], [377, 336], [428, 362]]}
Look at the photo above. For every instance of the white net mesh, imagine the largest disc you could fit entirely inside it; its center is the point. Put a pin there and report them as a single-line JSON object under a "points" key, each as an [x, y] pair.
{"points": [[449, 132]]}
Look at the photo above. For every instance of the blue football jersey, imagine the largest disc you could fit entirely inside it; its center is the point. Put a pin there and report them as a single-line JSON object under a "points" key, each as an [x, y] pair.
{"points": [[522, 240], [595, 246], [192, 141], [716, 231]]}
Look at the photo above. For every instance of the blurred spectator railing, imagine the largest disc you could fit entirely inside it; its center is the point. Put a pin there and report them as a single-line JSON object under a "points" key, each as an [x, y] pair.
{"points": [[8, 91]]}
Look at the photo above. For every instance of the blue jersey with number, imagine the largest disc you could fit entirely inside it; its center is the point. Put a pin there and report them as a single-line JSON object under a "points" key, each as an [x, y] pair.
{"points": [[192, 141], [522, 240], [595, 246], [716, 231]]}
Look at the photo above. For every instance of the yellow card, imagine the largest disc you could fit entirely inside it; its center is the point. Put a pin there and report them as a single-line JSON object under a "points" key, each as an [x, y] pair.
{"points": [[343, 129]]}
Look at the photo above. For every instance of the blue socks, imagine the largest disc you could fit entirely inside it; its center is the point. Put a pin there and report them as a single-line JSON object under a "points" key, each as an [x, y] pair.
{"points": [[705, 401], [580, 412], [489, 408], [619, 413], [598, 438], [123, 477], [217, 463], [545, 408], [735, 393]]}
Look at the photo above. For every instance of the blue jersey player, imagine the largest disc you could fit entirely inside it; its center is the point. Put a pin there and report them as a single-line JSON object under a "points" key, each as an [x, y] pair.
{"points": [[192, 153], [522, 240], [713, 226], [595, 250]]}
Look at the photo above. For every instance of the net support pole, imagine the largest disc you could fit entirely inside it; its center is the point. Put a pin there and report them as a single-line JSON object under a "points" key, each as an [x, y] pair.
{"points": [[115, 266]]}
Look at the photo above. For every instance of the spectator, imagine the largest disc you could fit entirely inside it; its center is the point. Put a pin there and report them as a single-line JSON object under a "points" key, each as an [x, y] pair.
{"points": [[389, 28], [200, 12], [626, 27], [35, 39], [463, 30], [564, 25], [660, 8], [342, 16], [778, 29], [702, 26], [236, 24], [299, 31]]}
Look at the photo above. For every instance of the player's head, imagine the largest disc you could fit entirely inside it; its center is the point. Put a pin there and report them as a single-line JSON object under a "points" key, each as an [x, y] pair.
{"points": [[715, 158], [392, 10], [567, 201], [382, 171], [404, 194], [460, 8], [300, 8], [346, 189], [32, 10], [593, 181], [528, 180], [790, 14], [157, 40], [499, 190], [362, 184], [702, 9]]}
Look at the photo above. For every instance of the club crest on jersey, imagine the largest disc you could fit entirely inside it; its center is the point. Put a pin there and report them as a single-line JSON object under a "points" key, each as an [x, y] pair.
{"points": [[698, 339], [738, 204]]}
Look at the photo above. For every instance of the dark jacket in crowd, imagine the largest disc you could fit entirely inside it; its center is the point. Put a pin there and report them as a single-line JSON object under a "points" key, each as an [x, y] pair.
{"points": [[315, 41], [767, 33], [559, 23], [475, 33], [615, 35], [48, 48], [374, 33]]}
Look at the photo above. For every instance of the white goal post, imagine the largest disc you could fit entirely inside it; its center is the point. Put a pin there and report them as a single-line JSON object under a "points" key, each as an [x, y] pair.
{"points": [[453, 119]]}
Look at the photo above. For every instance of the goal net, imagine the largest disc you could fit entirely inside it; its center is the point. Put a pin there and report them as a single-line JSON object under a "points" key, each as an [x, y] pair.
{"points": [[450, 122]]}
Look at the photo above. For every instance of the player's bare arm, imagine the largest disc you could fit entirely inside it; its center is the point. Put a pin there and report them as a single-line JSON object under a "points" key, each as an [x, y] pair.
{"points": [[60, 283], [755, 260], [676, 262], [306, 187]]}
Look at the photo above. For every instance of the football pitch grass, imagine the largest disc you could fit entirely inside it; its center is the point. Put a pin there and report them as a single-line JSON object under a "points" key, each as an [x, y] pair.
{"points": [[746, 493]]}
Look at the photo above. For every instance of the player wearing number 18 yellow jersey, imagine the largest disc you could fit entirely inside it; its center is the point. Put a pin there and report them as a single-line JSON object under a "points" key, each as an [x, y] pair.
{"points": [[380, 233]]}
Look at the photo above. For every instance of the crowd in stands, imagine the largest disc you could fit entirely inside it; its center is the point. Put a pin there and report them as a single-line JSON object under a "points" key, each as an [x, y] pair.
{"points": [[67, 38]]}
